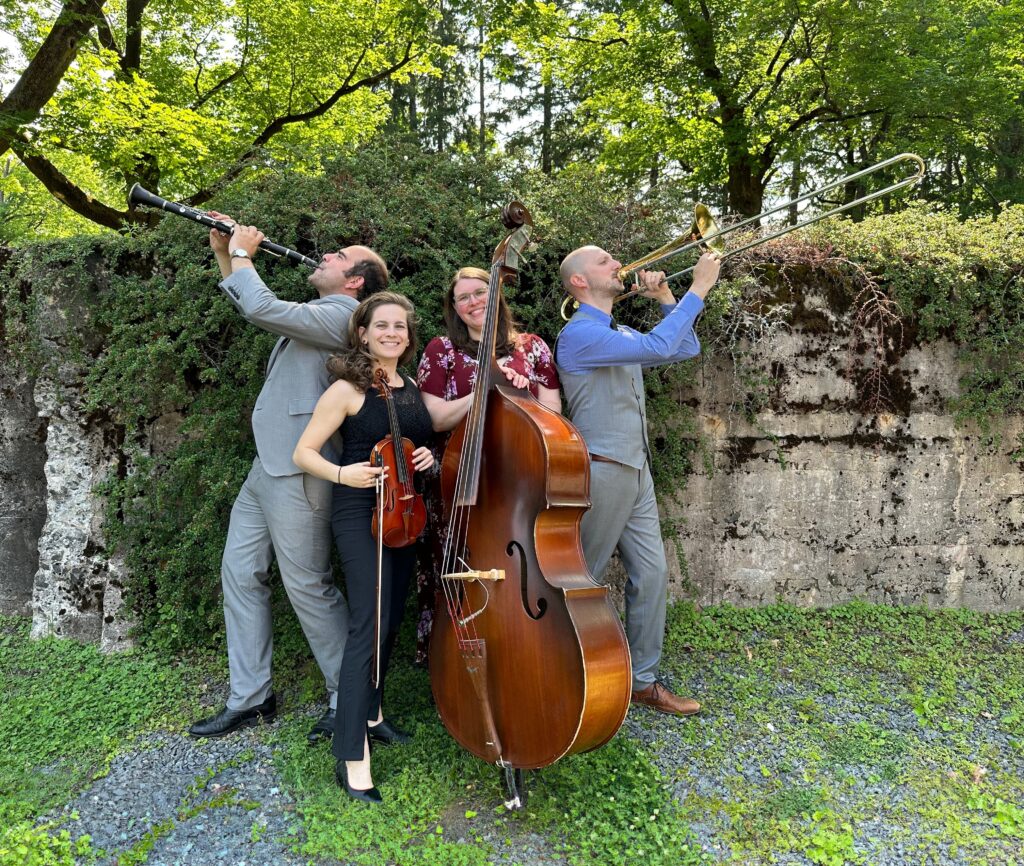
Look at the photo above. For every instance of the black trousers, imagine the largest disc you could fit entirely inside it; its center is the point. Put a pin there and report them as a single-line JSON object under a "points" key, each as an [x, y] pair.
{"points": [[358, 700]]}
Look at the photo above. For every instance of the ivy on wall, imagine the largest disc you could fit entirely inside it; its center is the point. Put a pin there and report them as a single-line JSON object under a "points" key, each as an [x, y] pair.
{"points": [[158, 343]]}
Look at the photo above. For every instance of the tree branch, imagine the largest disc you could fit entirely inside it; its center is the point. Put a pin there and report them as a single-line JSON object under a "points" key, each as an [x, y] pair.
{"points": [[224, 82], [44, 72], [279, 123], [106, 37], [131, 60], [768, 73], [62, 189], [604, 43]]}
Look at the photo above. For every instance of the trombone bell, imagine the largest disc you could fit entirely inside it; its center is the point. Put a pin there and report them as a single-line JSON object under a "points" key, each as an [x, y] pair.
{"points": [[704, 226]]}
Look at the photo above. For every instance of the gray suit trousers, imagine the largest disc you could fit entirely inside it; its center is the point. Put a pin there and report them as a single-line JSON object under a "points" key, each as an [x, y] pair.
{"points": [[289, 516], [624, 514]]}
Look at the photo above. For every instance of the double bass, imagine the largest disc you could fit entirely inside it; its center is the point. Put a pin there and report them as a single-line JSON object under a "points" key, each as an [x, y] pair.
{"points": [[528, 659]]}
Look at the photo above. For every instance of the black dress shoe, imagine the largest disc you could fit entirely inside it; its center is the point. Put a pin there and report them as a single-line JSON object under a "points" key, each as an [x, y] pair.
{"points": [[227, 720], [386, 735], [323, 729], [367, 795]]}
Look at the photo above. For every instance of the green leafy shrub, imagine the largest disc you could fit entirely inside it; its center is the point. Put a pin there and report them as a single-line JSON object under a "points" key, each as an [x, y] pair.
{"points": [[65, 707], [24, 844]]}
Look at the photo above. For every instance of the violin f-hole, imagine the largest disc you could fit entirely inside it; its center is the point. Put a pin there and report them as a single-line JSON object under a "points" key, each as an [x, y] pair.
{"points": [[542, 603]]}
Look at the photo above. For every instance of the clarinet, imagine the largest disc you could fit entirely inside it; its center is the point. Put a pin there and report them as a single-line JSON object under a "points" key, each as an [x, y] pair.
{"points": [[139, 195]]}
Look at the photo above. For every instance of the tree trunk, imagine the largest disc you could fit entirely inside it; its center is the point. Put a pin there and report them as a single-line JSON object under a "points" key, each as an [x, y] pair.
{"points": [[745, 187], [545, 134], [795, 182], [44, 72], [483, 104]]}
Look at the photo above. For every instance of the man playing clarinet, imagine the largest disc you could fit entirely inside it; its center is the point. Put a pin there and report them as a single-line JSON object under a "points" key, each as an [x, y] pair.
{"points": [[280, 511], [601, 366]]}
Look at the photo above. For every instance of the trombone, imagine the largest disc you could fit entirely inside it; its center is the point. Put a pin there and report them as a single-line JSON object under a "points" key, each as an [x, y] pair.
{"points": [[705, 232]]}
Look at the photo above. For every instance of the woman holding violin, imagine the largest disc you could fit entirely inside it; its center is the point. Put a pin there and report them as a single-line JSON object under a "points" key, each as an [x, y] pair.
{"points": [[446, 377], [382, 336]]}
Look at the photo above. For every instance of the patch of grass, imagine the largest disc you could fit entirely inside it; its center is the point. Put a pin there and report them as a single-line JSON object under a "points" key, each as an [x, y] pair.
{"points": [[832, 735], [612, 806], [601, 807], [869, 725], [862, 743], [418, 782], [67, 709], [24, 844]]}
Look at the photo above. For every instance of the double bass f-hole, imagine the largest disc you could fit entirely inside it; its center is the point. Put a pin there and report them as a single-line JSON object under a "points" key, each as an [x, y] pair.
{"points": [[542, 603]]}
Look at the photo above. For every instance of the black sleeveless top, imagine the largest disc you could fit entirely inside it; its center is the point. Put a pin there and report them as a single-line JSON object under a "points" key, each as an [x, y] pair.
{"points": [[360, 432]]}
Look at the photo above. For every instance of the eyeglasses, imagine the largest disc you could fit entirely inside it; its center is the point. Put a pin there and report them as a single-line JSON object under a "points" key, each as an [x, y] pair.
{"points": [[478, 295]]}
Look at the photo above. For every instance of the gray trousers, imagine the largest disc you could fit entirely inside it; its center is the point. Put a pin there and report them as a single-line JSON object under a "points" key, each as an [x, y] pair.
{"points": [[288, 516], [624, 514]]}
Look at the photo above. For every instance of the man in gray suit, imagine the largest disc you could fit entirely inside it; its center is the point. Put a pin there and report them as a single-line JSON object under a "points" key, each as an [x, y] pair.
{"points": [[600, 365], [280, 511]]}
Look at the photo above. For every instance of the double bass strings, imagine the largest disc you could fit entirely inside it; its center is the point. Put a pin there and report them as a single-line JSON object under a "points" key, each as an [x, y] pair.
{"points": [[458, 528]]}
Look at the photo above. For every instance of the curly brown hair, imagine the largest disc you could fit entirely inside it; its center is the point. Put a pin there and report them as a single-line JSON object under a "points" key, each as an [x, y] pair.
{"points": [[458, 333], [356, 364]]}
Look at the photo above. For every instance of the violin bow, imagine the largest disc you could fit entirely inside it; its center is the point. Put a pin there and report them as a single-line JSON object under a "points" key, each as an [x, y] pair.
{"points": [[379, 485]]}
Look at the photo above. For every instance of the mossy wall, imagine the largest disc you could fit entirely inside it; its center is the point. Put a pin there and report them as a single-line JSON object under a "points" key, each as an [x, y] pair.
{"points": [[131, 435]]}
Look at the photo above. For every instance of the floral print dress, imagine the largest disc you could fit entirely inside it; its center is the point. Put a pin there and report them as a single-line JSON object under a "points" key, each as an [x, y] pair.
{"points": [[450, 373]]}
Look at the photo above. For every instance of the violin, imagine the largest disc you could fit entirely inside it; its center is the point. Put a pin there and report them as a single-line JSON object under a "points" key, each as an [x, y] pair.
{"points": [[401, 513]]}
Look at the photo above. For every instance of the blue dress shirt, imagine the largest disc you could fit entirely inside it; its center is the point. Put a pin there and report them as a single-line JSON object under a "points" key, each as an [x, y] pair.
{"points": [[587, 342]]}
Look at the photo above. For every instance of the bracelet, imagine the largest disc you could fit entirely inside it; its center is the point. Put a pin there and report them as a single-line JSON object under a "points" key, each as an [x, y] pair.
{"points": [[339, 475]]}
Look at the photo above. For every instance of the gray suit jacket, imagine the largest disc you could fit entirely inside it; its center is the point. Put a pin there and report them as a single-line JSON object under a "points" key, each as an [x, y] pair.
{"points": [[296, 376]]}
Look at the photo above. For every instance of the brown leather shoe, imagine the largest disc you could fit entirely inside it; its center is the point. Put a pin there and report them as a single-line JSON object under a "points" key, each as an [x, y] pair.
{"points": [[656, 695]]}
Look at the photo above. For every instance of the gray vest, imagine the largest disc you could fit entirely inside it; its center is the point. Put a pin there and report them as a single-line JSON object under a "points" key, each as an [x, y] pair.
{"points": [[608, 407]]}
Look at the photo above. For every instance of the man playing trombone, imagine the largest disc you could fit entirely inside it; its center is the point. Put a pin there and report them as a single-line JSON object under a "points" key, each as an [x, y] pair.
{"points": [[601, 366]]}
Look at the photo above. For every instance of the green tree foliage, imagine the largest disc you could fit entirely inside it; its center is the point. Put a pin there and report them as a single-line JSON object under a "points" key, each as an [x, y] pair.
{"points": [[183, 97], [734, 95], [735, 101]]}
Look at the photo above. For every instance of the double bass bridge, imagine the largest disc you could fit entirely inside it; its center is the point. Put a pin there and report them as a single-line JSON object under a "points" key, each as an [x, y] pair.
{"points": [[489, 574]]}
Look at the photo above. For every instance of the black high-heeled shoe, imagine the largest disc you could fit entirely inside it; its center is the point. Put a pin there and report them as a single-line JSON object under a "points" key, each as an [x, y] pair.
{"points": [[367, 795], [386, 735]]}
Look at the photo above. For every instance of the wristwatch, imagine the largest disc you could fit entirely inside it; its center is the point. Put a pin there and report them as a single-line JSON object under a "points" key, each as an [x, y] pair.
{"points": [[239, 254]]}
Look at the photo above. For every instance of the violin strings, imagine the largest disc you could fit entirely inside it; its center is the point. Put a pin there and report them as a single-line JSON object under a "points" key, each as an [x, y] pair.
{"points": [[455, 546]]}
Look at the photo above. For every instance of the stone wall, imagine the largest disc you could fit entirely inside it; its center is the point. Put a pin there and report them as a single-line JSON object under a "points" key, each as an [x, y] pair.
{"points": [[22, 489], [813, 503], [810, 500], [53, 455]]}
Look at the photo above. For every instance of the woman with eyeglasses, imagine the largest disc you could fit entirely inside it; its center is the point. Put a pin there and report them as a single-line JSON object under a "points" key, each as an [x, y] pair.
{"points": [[446, 376]]}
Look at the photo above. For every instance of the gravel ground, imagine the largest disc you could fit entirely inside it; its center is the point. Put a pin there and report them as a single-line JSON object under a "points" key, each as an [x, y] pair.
{"points": [[160, 792], [889, 827], [168, 781], [164, 786]]}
